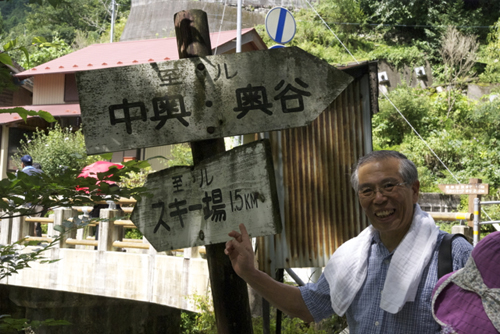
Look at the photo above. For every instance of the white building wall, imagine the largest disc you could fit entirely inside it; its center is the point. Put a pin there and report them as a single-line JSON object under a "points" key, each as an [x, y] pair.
{"points": [[48, 89]]}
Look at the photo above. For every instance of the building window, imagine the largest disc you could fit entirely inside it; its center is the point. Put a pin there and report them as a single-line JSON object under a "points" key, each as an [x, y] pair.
{"points": [[70, 90]]}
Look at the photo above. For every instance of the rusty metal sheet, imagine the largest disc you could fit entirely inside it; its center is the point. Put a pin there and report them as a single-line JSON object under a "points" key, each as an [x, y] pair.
{"points": [[204, 98], [313, 166]]}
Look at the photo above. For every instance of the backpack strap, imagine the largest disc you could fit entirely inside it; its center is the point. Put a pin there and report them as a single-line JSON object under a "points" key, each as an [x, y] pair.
{"points": [[445, 259]]}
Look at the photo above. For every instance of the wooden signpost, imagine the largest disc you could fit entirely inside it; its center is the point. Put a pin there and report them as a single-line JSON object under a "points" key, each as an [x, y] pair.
{"points": [[200, 99], [193, 206], [204, 98]]}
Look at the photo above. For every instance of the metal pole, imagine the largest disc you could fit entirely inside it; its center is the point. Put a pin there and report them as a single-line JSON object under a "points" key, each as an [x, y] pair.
{"points": [[238, 28], [111, 33], [475, 239]]}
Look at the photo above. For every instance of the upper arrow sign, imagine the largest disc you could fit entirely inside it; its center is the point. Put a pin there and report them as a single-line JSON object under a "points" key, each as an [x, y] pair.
{"points": [[204, 98]]}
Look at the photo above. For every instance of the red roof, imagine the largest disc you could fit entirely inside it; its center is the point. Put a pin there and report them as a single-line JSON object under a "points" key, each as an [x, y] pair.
{"points": [[108, 55], [117, 54], [57, 110]]}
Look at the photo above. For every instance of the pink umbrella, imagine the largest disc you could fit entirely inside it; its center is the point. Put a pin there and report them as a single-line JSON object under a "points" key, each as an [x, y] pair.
{"points": [[97, 167]]}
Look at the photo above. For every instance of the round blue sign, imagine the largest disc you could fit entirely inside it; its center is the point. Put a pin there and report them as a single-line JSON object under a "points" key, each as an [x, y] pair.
{"points": [[280, 25]]}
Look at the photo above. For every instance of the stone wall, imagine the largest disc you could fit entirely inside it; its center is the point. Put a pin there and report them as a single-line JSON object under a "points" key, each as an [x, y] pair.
{"points": [[87, 314], [150, 19], [395, 77], [155, 18]]}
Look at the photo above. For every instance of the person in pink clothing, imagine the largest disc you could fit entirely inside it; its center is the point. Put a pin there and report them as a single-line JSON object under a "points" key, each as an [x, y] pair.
{"points": [[467, 301]]}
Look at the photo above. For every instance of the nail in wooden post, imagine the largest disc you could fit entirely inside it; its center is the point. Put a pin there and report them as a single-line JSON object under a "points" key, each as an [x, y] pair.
{"points": [[229, 292]]}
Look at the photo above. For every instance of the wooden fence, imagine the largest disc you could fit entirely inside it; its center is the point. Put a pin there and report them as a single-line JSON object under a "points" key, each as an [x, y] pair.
{"points": [[104, 234]]}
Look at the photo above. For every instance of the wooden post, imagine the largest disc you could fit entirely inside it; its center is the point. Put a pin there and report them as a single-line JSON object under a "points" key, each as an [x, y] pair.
{"points": [[82, 233], [229, 291], [108, 232], [20, 229], [471, 200], [5, 230], [60, 215]]}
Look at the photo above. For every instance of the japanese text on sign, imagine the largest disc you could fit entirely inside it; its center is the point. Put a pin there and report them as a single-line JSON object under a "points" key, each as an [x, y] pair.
{"points": [[290, 99], [465, 189]]}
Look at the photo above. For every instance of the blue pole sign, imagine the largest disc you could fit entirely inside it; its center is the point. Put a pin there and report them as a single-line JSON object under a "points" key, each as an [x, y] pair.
{"points": [[277, 46], [280, 25]]}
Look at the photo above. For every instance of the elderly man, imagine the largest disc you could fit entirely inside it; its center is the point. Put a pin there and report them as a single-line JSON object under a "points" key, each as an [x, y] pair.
{"points": [[382, 279]]}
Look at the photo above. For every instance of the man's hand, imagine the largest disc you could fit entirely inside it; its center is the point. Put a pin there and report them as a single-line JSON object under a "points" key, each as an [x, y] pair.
{"points": [[240, 252], [283, 296]]}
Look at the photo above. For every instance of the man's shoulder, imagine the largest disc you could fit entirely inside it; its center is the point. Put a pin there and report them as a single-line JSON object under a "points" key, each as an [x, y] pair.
{"points": [[458, 240], [30, 170]]}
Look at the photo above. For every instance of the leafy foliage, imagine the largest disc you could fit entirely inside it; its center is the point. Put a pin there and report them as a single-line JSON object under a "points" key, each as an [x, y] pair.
{"points": [[204, 321], [57, 149], [398, 56], [389, 128], [14, 325], [465, 139], [64, 17], [181, 155], [25, 113], [61, 190], [13, 259], [46, 51]]}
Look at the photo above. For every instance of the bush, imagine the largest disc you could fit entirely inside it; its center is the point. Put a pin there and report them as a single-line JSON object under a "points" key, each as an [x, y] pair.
{"points": [[389, 128], [55, 149], [204, 321]]}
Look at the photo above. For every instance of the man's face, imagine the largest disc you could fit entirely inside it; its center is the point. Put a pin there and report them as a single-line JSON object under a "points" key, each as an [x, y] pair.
{"points": [[390, 213]]}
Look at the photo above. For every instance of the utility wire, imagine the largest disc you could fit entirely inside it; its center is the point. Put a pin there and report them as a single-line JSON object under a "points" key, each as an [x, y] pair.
{"points": [[326, 24], [390, 101], [409, 25]]}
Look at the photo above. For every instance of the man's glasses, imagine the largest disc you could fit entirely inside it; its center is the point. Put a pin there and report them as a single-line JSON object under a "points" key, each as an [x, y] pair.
{"points": [[385, 189]]}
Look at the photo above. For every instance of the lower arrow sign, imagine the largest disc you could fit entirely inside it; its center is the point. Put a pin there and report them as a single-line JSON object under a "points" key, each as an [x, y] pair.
{"points": [[193, 206]]}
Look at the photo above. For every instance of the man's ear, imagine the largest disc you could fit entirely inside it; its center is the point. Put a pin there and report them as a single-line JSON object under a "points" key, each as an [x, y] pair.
{"points": [[415, 188]]}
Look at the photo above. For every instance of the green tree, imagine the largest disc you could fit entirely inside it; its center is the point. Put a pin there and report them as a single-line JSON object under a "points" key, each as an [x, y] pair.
{"points": [[43, 51], [389, 127], [344, 15], [91, 16], [56, 149], [491, 56]]}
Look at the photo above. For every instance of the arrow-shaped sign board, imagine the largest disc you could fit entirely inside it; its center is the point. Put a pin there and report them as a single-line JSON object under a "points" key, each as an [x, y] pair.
{"points": [[193, 206], [203, 98]]}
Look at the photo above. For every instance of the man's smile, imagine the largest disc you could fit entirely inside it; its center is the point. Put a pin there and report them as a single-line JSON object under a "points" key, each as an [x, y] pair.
{"points": [[385, 213]]}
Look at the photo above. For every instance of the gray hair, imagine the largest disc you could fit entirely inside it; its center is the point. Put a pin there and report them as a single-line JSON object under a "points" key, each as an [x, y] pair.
{"points": [[407, 168]]}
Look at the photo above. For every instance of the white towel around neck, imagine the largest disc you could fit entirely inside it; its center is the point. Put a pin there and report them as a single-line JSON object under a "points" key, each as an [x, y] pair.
{"points": [[346, 269]]}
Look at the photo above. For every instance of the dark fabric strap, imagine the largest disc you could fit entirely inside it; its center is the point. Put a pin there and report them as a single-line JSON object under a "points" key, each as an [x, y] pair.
{"points": [[445, 259]]}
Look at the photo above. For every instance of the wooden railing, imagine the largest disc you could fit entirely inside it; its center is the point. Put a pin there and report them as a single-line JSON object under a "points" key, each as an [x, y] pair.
{"points": [[111, 231]]}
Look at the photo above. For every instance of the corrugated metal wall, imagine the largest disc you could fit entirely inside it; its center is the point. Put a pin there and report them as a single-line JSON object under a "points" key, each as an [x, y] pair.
{"points": [[313, 164]]}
